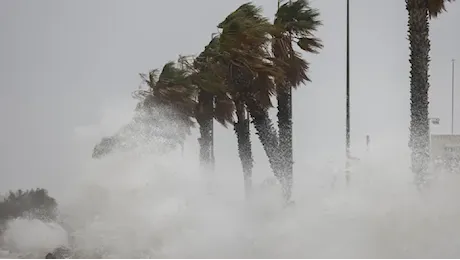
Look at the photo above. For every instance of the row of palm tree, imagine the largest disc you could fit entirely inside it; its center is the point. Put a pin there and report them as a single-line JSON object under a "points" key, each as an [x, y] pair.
{"points": [[252, 60], [233, 81]]}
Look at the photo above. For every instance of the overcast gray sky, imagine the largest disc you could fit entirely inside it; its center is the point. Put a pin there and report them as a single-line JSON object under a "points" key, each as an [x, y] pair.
{"points": [[62, 63]]}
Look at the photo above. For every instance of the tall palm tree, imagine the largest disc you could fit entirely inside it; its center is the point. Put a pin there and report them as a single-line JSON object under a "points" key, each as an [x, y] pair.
{"points": [[212, 85], [243, 134], [163, 115], [213, 101], [419, 13], [296, 23], [249, 71]]}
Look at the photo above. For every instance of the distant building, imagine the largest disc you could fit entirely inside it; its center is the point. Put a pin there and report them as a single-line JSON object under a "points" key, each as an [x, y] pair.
{"points": [[445, 151]]}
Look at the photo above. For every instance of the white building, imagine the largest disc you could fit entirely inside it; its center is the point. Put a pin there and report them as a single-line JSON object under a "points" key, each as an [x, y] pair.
{"points": [[445, 150]]}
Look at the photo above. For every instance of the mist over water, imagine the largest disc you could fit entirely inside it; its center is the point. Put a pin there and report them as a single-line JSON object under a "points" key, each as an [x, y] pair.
{"points": [[133, 204], [31, 238]]}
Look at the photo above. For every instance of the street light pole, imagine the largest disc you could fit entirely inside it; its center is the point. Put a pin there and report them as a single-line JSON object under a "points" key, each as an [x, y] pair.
{"points": [[453, 97], [432, 121], [347, 130]]}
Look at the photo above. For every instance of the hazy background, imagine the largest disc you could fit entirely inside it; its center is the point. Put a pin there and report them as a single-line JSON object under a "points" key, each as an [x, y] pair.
{"points": [[64, 65]]}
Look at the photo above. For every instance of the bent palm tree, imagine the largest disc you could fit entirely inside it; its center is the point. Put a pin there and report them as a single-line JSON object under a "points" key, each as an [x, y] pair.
{"points": [[295, 22], [243, 135], [212, 85], [164, 114], [249, 70], [419, 12], [213, 100]]}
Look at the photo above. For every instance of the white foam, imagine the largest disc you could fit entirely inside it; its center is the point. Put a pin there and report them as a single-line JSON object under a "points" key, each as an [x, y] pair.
{"points": [[133, 205], [32, 237]]}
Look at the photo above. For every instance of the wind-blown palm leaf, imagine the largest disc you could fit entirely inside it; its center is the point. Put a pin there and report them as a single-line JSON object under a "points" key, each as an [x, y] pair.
{"points": [[203, 74], [244, 44], [435, 7], [243, 31], [298, 18], [224, 109], [249, 70], [296, 22], [163, 116], [262, 89]]}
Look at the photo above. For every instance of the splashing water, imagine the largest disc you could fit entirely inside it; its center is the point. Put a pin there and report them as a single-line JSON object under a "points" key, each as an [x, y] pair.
{"points": [[135, 205], [32, 238]]}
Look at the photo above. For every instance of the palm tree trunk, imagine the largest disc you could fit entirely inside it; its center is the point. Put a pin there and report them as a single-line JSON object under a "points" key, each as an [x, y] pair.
{"points": [[419, 85], [244, 146], [285, 139], [241, 79], [204, 119], [267, 136]]}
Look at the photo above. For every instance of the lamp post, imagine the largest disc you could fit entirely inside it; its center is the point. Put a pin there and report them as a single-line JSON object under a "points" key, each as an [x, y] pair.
{"points": [[347, 120], [432, 121], [453, 97]]}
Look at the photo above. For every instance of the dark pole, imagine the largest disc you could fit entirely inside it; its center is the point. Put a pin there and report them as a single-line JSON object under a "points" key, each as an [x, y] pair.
{"points": [[453, 98], [347, 134], [291, 156]]}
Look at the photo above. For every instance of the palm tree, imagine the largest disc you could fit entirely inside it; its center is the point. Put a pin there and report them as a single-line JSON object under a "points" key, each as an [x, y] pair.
{"points": [[419, 13], [249, 72], [227, 102], [164, 113], [243, 134], [296, 23], [213, 101]]}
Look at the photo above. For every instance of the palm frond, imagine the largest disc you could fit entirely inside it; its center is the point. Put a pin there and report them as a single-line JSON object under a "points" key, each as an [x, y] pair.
{"points": [[244, 30], [310, 44], [298, 18], [296, 73], [262, 89], [208, 74], [245, 50], [171, 91], [282, 46], [436, 7], [247, 10], [297, 22], [224, 109]]}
